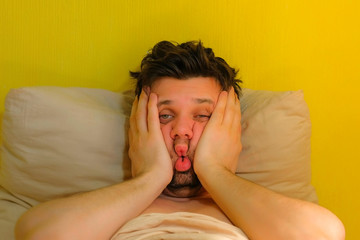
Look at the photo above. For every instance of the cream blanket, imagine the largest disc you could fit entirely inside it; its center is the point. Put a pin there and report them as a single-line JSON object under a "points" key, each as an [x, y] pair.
{"points": [[178, 225]]}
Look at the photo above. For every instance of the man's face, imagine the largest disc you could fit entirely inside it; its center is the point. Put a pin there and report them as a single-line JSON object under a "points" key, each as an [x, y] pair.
{"points": [[185, 107]]}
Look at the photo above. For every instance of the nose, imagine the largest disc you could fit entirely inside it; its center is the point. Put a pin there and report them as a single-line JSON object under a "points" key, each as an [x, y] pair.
{"points": [[182, 128]]}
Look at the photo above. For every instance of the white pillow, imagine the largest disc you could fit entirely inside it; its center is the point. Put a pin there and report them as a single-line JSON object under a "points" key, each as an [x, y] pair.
{"points": [[276, 131], [60, 141]]}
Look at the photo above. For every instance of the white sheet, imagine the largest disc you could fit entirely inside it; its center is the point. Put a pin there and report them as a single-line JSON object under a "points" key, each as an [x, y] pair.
{"points": [[179, 226]]}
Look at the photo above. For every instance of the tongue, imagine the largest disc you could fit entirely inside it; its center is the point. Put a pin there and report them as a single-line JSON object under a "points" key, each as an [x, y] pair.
{"points": [[182, 164]]}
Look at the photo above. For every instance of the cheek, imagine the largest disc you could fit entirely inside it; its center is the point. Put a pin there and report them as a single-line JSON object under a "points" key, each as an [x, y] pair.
{"points": [[166, 130], [197, 132]]}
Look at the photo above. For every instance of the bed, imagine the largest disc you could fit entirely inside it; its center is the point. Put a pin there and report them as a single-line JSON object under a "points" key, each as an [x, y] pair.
{"points": [[59, 141]]}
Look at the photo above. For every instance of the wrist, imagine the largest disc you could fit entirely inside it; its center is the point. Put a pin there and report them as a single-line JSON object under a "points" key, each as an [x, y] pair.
{"points": [[154, 180], [212, 174]]}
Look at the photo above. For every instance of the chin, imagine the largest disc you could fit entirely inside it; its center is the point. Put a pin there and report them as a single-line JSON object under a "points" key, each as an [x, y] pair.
{"points": [[183, 192], [183, 185]]}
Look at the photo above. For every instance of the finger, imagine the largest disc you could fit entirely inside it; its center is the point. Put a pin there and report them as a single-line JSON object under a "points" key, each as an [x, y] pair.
{"points": [[218, 113], [132, 119], [231, 109], [153, 114], [238, 110], [237, 117], [141, 112]]}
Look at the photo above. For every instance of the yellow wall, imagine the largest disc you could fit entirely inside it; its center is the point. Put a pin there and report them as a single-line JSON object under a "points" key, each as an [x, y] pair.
{"points": [[278, 45]]}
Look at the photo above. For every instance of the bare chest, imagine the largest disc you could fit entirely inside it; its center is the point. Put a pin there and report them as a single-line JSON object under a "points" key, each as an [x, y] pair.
{"points": [[204, 206]]}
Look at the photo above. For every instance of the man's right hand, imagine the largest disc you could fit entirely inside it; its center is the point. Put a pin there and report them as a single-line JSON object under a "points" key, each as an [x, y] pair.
{"points": [[103, 211], [148, 152]]}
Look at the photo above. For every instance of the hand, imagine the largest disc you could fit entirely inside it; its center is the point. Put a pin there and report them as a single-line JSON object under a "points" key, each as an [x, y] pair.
{"points": [[220, 143], [148, 152]]}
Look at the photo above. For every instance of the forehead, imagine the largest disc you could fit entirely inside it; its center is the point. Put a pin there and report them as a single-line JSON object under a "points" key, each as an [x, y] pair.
{"points": [[196, 89]]}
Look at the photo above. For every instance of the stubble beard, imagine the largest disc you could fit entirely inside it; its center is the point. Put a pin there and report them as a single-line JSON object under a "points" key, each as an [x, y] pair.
{"points": [[184, 184]]}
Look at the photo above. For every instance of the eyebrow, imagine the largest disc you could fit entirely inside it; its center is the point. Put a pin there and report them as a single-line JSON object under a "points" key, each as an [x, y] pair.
{"points": [[203, 100], [196, 100]]}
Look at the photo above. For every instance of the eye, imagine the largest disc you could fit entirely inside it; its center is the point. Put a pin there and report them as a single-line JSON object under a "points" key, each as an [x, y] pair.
{"points": [[164, 118], [202, 117]]}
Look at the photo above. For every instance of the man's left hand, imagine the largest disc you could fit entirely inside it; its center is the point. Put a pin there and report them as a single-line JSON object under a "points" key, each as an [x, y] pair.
{"points": [[220, 143]]}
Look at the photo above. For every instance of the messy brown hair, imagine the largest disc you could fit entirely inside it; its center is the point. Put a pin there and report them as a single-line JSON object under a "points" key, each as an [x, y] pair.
{"points": [[183, 61]]}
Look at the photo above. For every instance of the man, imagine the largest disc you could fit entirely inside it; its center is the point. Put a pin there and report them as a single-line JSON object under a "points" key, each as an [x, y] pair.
{"points": [[184, 144]]}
